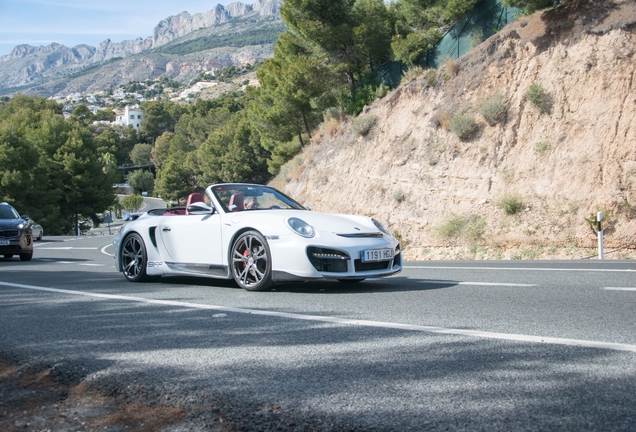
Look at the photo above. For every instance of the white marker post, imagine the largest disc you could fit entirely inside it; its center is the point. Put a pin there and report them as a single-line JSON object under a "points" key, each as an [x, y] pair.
{"points": [[599, 218]]}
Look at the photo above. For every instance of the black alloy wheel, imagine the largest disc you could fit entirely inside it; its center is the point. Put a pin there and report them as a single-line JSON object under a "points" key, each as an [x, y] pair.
{"points": [[251, 262], [134, 258]]}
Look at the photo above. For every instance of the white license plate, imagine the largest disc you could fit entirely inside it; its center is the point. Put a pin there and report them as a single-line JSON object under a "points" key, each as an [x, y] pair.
{"points": [[377, 255], [5, 242]]}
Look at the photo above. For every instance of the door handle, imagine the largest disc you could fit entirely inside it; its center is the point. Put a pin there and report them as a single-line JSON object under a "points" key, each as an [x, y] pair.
{"points": [[165, 229]]}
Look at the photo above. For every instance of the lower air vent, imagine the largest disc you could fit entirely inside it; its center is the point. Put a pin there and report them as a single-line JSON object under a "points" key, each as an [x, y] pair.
{"points": [[367, 266], [328, 260]]}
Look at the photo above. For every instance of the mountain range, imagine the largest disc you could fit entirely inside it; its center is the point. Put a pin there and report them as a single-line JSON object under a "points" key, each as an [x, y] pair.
{"points": [[181, 46]]}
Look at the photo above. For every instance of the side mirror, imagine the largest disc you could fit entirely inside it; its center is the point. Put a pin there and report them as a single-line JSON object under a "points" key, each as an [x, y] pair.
{"points": [[25, 217], [307, 208], [200, 208]]}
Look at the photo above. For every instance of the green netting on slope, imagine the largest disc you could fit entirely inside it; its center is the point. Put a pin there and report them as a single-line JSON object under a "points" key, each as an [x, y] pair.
{"points": [[487, 18]]}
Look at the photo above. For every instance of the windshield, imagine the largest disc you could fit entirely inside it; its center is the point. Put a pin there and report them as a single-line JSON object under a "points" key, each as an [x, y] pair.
{"points": [[7, 212], [240, 197]]}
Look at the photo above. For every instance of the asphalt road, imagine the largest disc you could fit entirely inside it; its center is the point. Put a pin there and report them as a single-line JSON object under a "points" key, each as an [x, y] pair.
{"points": [[488, 345]]}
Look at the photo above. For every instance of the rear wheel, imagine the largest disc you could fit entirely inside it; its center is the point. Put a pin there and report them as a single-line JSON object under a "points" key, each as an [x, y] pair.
{"points": [[134, 258], [26, 256], [251, 262]]}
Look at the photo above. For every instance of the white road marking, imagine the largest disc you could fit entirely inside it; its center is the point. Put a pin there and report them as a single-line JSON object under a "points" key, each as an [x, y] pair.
{"points": [[68, 248], [619, 289], [344, 321], [103, 250], [518, 268], [92, 265], [438, 282]]}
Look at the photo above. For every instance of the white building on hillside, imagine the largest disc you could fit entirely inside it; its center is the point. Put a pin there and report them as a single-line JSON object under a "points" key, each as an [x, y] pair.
{"points": [[130, 117]]}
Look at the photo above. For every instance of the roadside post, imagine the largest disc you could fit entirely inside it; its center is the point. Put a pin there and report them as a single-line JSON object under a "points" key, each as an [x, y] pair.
{"points": [[599, 218]]}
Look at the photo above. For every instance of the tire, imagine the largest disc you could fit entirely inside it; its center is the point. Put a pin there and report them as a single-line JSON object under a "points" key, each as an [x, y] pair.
{"points": [[8, 256], [350, 281], [134, 258], [40, 236], [26, 256], [251, 262]]}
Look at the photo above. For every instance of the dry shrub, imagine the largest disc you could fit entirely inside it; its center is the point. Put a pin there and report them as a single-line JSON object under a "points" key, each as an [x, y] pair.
{"points": [[430, 75], [444, 119], [332, 127], [463, 125], [450, 66], [412, 73], [493, 110], [363, 124]]}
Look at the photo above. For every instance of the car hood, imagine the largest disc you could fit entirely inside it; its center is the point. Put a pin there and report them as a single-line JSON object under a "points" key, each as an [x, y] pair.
{"points": [[322, 222], [11, 223]]}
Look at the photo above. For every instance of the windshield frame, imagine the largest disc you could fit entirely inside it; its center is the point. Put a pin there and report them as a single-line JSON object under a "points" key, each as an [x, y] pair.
{"points": [[250, 190]]}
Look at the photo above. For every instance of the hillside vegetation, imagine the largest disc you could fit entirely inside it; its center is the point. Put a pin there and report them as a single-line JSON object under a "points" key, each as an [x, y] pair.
{"points": [[508, 152]]}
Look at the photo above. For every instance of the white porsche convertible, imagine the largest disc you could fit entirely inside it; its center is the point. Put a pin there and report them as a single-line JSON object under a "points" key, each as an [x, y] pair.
{"points": [[256, 235]]}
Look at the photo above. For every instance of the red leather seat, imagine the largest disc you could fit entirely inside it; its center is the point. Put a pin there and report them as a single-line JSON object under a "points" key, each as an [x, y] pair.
{"points": [[237, 202], [193, 198]]}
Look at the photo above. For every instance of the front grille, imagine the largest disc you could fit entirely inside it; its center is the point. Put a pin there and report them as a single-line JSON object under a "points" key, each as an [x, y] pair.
{"points": [[9, 233], [328, 260], [367, 266]]}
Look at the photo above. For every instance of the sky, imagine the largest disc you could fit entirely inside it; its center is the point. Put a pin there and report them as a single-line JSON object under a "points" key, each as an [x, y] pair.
{"points": [[75, 22]]}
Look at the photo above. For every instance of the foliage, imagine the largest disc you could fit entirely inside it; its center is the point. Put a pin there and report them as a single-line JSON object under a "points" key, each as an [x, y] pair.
{"points": [[363, 124], [493, 110], [511, 204], [141, 180], [450, 66], [50, 167], [537, 96], [140, 154], [420, 24], [159, 117], [542, 147], [476, 37], [132, 203], [463, 125], [399, 195], [470, 227], [530, 6]]}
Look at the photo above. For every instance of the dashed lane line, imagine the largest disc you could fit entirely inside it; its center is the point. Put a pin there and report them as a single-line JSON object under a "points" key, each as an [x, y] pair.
{"points": [[344, 321], [619, 289]]}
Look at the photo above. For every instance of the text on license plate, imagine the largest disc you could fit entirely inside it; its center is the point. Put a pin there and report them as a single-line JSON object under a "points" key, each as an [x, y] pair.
{"points": [[5, 242], [377, 254]]}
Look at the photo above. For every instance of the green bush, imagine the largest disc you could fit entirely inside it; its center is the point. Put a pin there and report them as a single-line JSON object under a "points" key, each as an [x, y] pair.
{"points": [[542, 147], [493, 110], [470, 227], [476, 37], [399, 195], [463, 125], [381, 91], [363, 124], [511, 204], [430, 75], [537, 96]]}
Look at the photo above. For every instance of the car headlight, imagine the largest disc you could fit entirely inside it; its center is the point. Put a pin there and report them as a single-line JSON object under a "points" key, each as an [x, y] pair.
{"points": [[301, 227], [379, 226], [20, 226]]}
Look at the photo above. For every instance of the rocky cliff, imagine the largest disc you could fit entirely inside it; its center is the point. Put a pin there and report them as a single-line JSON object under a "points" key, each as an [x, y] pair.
{"points": [[446, 197], [27, 66]]}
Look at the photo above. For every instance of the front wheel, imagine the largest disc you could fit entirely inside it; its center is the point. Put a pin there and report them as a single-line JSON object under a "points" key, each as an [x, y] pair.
{"points": [[40, 236], [134, 258], [251, 262], [26, 256]]}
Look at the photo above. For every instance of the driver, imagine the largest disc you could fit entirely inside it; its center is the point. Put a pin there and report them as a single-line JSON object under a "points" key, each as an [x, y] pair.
{"points": [[251, 203]]}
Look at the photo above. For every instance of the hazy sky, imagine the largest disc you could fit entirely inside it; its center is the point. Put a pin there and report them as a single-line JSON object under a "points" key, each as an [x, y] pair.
{"points": [[74, 22]]}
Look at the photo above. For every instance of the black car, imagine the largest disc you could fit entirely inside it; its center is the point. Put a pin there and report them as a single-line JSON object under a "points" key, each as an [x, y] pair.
{"points": [[16, 235]]}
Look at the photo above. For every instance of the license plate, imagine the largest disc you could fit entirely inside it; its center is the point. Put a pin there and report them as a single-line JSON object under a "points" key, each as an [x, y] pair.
{"points": [[5, 242], [377, 255]]}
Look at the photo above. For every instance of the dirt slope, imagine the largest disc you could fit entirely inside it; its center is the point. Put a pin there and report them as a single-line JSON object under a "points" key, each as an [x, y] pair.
{"points": [[564, 164]]}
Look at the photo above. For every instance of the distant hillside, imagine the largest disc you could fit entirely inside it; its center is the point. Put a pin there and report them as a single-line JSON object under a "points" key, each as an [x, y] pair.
{"points": [[180, 47]]}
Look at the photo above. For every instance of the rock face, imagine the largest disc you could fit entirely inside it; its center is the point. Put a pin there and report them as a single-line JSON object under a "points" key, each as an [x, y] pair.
{"points": [[27, 65], [563, 164]]}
